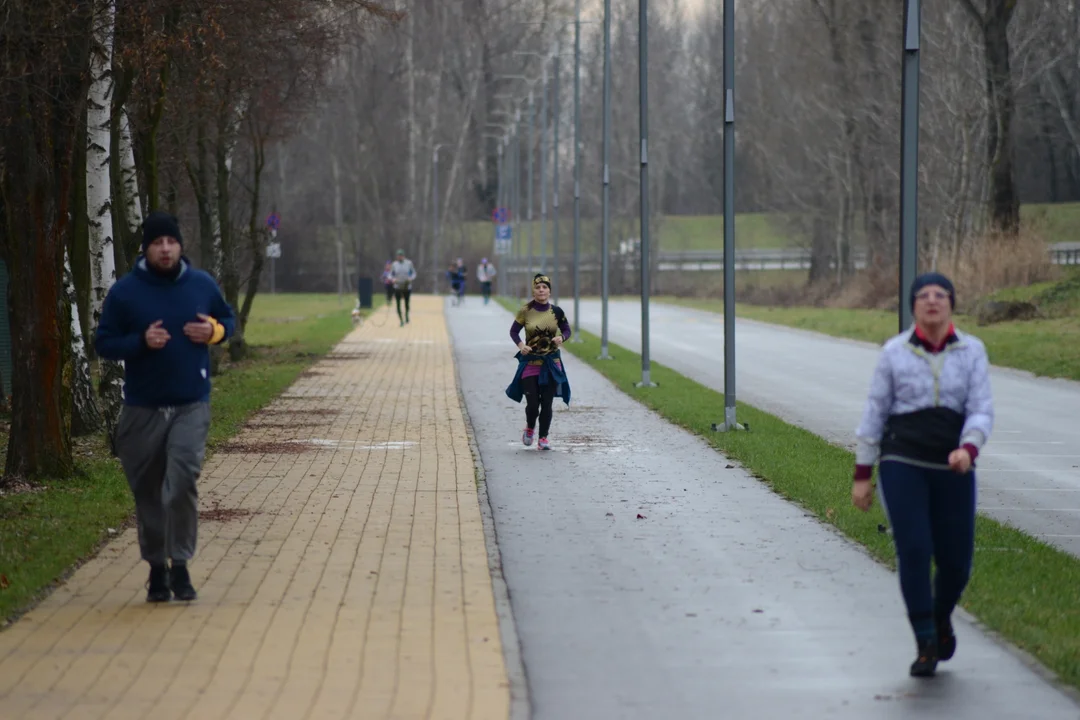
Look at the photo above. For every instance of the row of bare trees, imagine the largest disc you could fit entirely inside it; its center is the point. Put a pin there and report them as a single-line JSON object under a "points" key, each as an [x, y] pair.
{"points": [[818, 89], [111, 108], [223, 111]]}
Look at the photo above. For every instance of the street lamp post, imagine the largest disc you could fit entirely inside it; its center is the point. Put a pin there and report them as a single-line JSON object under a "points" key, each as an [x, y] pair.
{"points": [[518, 240], [643, 110], [529, 191], [909, 159], [729, 220], [500, 190], [556, 118], [606, 214], [508, 200], [435, 205], [543, 166], [576, 336]]}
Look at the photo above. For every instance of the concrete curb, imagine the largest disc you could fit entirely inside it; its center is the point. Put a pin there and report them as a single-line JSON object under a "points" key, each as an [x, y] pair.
{"points": [[520, 704], [1029, 660]]}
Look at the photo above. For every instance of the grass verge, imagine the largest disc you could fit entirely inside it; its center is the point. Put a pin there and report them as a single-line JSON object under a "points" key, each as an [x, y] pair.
{"points": [[1048, 347], [1023, 589], [50, 529]]}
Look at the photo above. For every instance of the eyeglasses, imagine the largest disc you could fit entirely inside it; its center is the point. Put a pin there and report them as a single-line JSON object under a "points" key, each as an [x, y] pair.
{"points": [[932, 295]]}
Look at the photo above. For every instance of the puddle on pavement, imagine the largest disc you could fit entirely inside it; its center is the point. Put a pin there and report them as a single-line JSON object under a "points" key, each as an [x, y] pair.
{"points": [[584, 443], [353, 445]]}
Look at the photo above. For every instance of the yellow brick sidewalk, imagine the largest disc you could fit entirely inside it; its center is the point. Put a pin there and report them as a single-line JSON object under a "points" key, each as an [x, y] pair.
{"points": [[342, 570]]}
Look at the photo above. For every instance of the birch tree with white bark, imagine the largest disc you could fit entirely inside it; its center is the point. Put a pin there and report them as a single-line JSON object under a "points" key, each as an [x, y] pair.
{"points": [[99, 198], [86, 418]]}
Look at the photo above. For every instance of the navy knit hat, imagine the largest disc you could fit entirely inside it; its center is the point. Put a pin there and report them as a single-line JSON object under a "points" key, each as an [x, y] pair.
{"points": [[933, 278], [159, 224]]}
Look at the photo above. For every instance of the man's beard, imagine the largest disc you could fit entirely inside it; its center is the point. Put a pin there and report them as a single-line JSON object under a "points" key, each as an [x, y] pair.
{"points": [[170, 271]]}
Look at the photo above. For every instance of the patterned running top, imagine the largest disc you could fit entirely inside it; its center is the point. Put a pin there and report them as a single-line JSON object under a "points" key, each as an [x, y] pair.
{"points": [[541, 324]]}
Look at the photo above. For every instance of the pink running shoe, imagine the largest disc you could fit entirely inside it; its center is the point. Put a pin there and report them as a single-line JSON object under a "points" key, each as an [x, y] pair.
{"points": [[543, 444], [527, 437]]}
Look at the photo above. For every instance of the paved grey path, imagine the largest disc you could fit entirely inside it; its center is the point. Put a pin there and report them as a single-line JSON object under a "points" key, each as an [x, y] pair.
{"points": [[723, 601], [1029, 475]]}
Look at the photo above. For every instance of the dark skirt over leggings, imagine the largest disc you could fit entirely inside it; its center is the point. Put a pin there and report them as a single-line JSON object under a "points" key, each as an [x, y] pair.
{"points": [[932, 515]]}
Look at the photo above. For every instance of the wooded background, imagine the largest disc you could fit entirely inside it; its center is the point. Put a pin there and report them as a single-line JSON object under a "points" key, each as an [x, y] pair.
{"points": [[328, 112]]}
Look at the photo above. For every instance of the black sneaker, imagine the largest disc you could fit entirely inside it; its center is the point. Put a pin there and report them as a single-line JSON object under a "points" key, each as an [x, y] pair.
{"points": [[180, 580], [157, 587], [946, 640], [925, 664]]}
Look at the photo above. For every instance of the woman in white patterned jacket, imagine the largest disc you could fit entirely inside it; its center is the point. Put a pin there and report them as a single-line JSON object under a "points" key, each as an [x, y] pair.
{"points": [[929, 413]]}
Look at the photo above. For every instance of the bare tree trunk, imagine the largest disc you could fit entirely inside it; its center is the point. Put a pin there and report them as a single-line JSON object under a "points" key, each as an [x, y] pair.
{"points": [[125, 205], [99, 203], [43, 111], [455, 164], [435, 95], [203, 190], [1057, 87], [820, 250], [126, 216], [129, 206], [40, 442], [413, 128], [1001, 99], [258, 245], [230, 272], [335, 172], [86, 417]]}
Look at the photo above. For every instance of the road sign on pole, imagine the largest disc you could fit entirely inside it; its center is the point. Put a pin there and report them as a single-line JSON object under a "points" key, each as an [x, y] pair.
{"points": [[273, 221], [504, 238]]}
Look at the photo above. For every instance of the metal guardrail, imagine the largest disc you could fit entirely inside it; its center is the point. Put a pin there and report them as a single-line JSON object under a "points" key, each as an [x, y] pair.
{"points": [[1065, 256], [763, 259], [799, 258]]}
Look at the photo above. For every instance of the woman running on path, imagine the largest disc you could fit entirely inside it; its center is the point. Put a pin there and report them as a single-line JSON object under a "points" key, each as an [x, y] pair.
{"points": [[540, 374], [929, 412], [403, 273]]}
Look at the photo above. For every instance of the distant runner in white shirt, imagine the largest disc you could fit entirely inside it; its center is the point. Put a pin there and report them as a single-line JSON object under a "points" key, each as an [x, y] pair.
{"points": [[402, 273], [485, 273]]}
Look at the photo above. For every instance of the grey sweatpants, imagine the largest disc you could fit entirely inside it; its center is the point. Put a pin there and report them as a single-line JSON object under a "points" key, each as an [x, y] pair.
{"points": [[162, 450]]}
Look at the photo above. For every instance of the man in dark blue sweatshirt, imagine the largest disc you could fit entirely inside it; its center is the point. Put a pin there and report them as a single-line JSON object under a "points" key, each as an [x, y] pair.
{"points": [[160, 320]]}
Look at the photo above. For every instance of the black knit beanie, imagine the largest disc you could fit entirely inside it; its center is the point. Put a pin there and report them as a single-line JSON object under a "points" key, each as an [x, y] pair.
{"points": [[159, 224], [933, 278]]}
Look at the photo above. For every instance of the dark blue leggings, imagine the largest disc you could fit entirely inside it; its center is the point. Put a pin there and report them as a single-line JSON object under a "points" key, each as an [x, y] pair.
{"points": [[932, 514]]}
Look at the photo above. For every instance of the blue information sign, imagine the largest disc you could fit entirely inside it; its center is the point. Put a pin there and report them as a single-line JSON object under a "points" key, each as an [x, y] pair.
{"points": [[503, 239]]}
